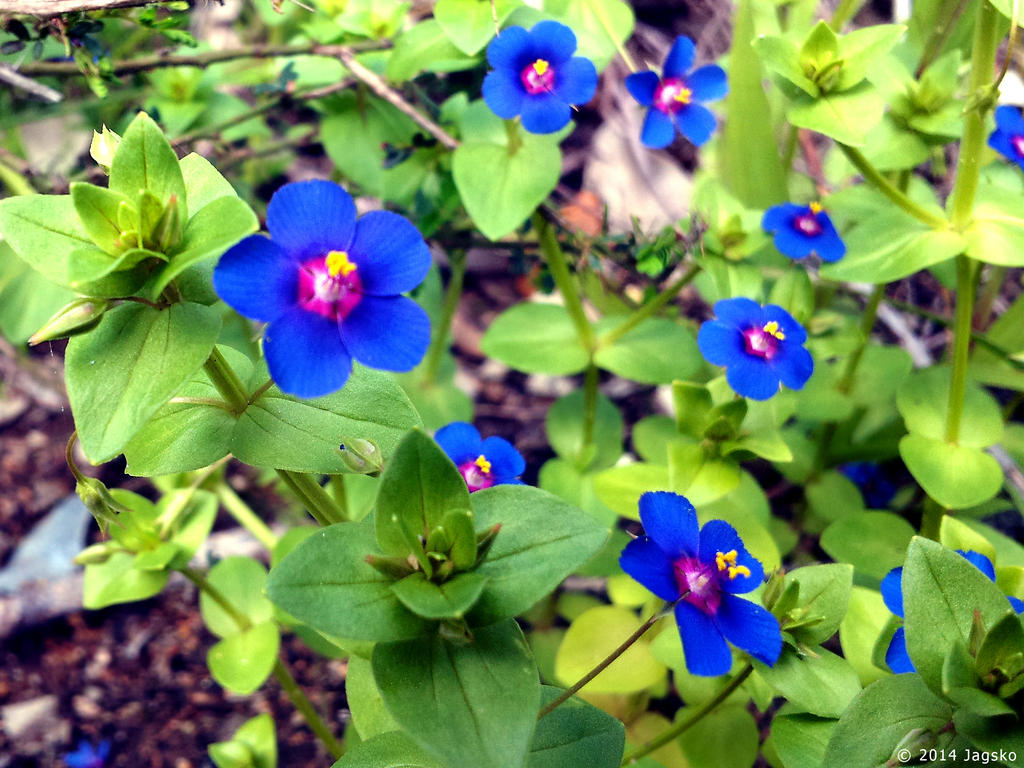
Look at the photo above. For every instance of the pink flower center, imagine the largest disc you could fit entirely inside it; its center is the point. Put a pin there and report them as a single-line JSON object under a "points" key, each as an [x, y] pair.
{"points": [[672, 95], [702, 582], [477, 473], [330, 285], [807, 224], [763, 342], [539, 77], [1018, 145]]}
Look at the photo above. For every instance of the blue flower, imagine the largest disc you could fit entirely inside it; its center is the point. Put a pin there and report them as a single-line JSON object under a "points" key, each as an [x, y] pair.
{"points": [[892, 593], [536, 75], [872, 481], [674, 98], [87, 756], [481, 462], [329, 285], [759, 347], [1008, 137], [801, 230], [701, 572]]}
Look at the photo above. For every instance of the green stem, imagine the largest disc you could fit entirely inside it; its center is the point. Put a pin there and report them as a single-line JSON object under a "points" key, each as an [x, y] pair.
{"points": [[847, 10], [993, 283], [867, 322], [439, 344], [319, 503], [291, 688], [651, 307], [226, 381], [568, 693], [682, 726], [339, 493], [245, 517], [871, 174], [789, 152], [931, 519], [563, 279], [965, 273], [590, 382], [951, 12]]}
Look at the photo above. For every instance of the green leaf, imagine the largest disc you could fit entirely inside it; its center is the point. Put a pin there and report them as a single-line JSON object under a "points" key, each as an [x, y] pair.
{"points": [[145, 161], [257, 740], [941, 592], [241, 581], [874, 542], [592, 636], [449, 600], [781, 57], [98, 210], [369, 715], [44, 231], [823, 597], [118, 581], [542, 540], [327, 583], [865, 619], [923, 401], [820, 48], [501, 185], [800, 740], [834, 496], [845, 116], [996, 735], [726, 736], [536, 338], [621, 487], [564, 428], [119, 374], [575, 733], [564, 479], [425, 46], [953, 475], [862, 48], [823, 684], [955, 534], [27, 299], [470, 24], [657, 351], [996, 233], [881, 716], [388, 750], [242, 662], [470, 703], [285, 432], [600, 25], [418, 486]]}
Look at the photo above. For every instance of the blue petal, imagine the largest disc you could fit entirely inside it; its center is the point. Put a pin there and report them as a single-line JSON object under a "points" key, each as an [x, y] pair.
{"points": [[718, 536], [545, 113], [740, 312], [305, 355], [980, 562], [1009, 119], [781, 216], [310, 218], [659, 131], [792, 364], [1016, 603], [794, 244], [1001, 142], [680, 57], [671, 521], [504, 93], [387, 332], [460, 441], [510, 49], [752, 377], [707, 654], [892, 591], [896, 656], [390, 254], [642, 86], [830, 247], [790, 327], [750, 627], [648, 564], [576, 80], [696, 123], [257, 279], [506, 462], [708, 83], [553, 42], [720, 344]]}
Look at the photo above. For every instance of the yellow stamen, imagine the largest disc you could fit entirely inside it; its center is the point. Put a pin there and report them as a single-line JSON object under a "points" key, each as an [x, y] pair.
{"points": [[772, 329], [338, 264], [726, 559], [684, 96], [540, 66], [484, 464], [738, 570], [815, 207]]}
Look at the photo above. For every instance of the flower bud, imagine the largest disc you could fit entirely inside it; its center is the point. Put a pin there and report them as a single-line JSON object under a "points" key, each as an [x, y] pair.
{"points": [[103, 147], [97, 499], [95, 554], [77, 316], [361, 456]]}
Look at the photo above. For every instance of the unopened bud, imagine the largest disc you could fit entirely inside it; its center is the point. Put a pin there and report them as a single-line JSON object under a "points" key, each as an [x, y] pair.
{"points": [[167, 231], [97, 499], [95, 554], [103, 147], [361, 456], [485, 540], [77, 316], [393, 567], [914, 742]]}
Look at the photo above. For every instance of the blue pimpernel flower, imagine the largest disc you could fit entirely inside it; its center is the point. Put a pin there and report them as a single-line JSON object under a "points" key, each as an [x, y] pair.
{"points": [[1008, 137], [896, 655], [873, 482], [801, 230], [758, 346], [702, 572], [481, 462], [536, 75], [675, 97], [87, 756], [329, 285]]}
